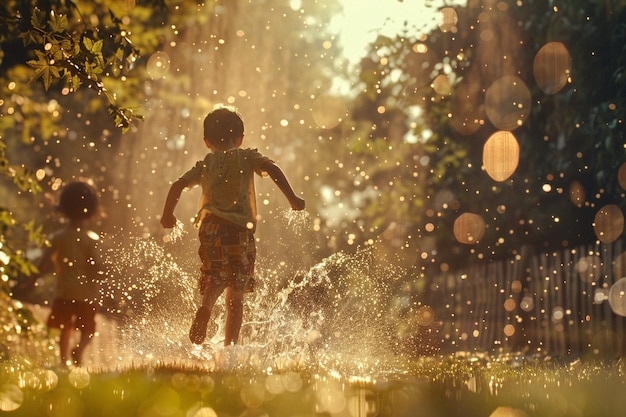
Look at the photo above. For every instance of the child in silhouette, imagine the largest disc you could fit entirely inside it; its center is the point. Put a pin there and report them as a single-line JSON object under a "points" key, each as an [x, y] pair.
{"points": [[227, 218], [72, 256]]}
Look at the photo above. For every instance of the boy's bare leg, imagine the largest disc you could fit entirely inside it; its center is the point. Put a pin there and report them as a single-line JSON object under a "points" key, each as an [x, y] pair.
{"points": [[77, 353], [197, 333], [234, 315], [64, 343]]}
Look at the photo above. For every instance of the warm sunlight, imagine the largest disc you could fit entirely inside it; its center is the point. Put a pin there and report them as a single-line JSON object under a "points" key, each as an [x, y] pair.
{"points": [[312, 208], [361, 22]]}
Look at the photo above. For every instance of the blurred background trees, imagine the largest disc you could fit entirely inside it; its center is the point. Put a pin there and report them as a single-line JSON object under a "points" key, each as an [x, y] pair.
{"points": [[425, 117]]}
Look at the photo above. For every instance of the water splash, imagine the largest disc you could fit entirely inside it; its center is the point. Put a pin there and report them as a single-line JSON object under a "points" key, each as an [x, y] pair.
{"points": [[151, 298], [346, 300], [297, 220], [176, 233], [336, 315]]}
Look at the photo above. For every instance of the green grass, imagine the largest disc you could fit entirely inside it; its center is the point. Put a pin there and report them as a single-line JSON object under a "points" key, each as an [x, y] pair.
{"points": [[459, 385]]}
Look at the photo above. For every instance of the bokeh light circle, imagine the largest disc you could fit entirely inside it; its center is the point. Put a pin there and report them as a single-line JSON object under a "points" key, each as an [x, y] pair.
{"points": [[425, 316], [619, 265], [274, 384], [328, 111], [551, 67], [617, 297], [178, 380], [30, 380], [292, 381], [447, 19], [510, 304], [501, 155], [577, 193], [509, 330], [158, 65], [441, 85], [469, 228], [11, 397], [527, 304], [621, 176], [207, 384], [600, 295], [609, 223], [79, 378], [205, 412], [193, 383], [64, 402], [589, 268], [49, 380], [253, 395], [507, 102]]}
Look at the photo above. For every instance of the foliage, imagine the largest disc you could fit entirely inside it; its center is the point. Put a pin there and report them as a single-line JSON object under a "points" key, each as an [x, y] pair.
{"points": [[69, 50], [65, 52], [53, 54], [574, 135], [12, 257]]}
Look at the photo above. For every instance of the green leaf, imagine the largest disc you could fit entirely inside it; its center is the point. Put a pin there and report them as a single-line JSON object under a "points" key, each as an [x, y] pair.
{"points": [[38, 19], [97, 46], [58, 23], [35, 233], [68, 47], [88, 43], [43, 72], [75, 81]]}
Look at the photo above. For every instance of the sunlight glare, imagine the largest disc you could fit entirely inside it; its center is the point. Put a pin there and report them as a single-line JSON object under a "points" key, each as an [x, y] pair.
{"points": [[359, 25]]}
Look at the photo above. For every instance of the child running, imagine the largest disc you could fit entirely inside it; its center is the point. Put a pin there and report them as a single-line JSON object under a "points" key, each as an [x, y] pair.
{"points": [[73, 256], [227, 218]]}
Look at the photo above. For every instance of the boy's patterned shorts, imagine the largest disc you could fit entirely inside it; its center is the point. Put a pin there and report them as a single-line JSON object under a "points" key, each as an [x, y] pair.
{"points": [[228, 254]]}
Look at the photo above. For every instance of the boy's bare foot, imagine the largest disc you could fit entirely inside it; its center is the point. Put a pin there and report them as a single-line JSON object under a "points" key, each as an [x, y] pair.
{"points": [[197, 333]]}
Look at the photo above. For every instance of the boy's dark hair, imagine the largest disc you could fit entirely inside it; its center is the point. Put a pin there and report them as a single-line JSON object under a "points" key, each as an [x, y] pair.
{"points": [[78, 200], [222, 126]]}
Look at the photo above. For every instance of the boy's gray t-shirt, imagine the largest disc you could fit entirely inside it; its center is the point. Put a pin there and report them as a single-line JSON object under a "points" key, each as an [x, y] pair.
{"points": [[227, 180]]}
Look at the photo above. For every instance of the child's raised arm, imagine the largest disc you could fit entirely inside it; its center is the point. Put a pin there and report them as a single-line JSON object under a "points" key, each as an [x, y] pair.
{"points": [[168, 220], [281, 181]]}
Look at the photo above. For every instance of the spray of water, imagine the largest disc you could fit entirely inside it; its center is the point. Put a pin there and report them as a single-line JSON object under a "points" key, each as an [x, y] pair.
{"points": [[335, 315], [175, 234], [150, 296], [297, 220]]}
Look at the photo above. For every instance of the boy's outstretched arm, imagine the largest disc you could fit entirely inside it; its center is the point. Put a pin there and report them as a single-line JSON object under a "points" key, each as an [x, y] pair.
{"points": [[280, 179], [168, 220]]}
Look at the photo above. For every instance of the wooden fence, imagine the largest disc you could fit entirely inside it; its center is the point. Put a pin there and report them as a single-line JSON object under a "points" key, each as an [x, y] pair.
{"points": [[567, 303]]}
